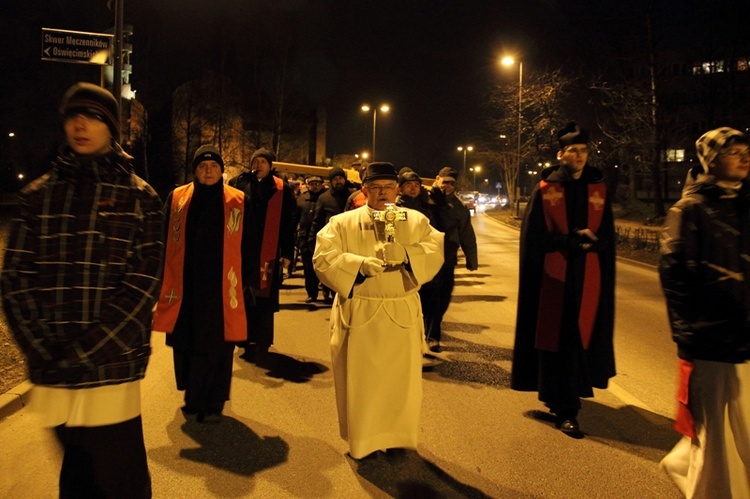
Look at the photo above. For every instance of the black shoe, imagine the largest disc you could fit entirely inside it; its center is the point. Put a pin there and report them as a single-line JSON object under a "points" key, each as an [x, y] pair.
{"points": [[435, 346], [188, 411], [248, 355], [310, 299], [570, 427]]}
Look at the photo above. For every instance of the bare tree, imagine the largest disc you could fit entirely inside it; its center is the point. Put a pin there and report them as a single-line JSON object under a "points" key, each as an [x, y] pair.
{"points": [[544, 108], [206, 110]]}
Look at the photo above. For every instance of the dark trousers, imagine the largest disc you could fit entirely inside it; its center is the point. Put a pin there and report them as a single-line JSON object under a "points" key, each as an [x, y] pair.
{"points": [[311, 278], [436, 297], [563, 375], [104, 461], [260, 325], [205, 378]]}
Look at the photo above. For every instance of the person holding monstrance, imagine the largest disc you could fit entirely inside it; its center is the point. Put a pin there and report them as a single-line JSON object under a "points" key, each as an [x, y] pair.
{"points": [[375, 258]]}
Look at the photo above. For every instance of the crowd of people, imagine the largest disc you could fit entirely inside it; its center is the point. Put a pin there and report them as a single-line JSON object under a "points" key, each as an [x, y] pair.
{"points": [[95, 262]]}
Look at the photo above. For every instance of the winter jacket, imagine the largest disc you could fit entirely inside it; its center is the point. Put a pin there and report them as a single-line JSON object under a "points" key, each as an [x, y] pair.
{"points": [[454, 218], [705, 271], [82, 272], [304, 214]]}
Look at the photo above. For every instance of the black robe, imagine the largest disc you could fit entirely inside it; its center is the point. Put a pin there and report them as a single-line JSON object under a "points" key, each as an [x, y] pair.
{"points": [[535, 370]]}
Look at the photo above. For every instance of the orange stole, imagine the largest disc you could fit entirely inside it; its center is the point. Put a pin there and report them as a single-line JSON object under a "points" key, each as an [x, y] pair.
{"points": [[552, 290], [170, 297]]}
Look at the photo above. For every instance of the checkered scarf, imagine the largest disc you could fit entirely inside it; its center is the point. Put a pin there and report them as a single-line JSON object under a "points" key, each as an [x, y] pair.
{"points": [[711, 143]]}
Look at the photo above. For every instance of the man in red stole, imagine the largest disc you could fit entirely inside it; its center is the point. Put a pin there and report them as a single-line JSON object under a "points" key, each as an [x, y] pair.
{"points": [[211, 245], [564, 327], [273, 207]]}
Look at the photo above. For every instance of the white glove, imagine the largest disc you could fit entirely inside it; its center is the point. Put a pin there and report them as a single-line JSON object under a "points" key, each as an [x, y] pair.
{"points": [[371, 266], [394, 253]]}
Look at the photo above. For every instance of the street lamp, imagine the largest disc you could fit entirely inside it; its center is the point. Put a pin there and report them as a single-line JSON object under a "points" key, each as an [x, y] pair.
{"points": [[383, 108], [509, 61], [476, 169], [464, 149]]}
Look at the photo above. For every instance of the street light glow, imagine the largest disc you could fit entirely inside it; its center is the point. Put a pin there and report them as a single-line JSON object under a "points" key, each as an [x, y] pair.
{"points": [[464, 149], [509, 61], [384, 108]]}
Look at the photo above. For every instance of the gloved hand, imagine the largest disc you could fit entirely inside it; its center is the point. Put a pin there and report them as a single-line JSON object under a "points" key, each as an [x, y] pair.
{"points": [[371, 266], [394, 253]]}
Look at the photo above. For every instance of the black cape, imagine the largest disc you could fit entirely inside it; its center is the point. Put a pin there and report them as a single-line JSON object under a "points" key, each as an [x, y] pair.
{"points": [[596, 365]]}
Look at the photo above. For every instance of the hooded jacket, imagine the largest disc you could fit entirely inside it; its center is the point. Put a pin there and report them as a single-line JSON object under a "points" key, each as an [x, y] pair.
{"points": [[705, 270]]}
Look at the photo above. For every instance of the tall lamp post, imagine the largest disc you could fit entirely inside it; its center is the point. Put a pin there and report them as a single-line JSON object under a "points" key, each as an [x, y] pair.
{"points": [[475, 169], [464, 149], [383, 108], [509, 61]]}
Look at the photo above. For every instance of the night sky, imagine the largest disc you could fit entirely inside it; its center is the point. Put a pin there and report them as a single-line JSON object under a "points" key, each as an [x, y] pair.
{"points": [[433, 61]]}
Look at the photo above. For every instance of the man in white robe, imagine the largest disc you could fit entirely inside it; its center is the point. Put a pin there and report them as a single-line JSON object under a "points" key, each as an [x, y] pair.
{"points": [[377, 329]]}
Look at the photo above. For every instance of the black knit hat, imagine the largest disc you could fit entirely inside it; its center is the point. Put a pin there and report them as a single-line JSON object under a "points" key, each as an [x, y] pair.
{"points": [[572, 134], [207, 152], [90, 99], [336, 172], [408, 176], [448, 173], [384, 171], [263, 153]]}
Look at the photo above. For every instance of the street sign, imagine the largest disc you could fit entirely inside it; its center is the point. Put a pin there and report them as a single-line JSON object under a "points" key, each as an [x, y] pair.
{"points": [[76, 46]]}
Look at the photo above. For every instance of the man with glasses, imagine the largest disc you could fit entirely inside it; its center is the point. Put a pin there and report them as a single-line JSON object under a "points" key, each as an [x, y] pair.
{"points": [[705, 247], [563, 345], [375, 259]]}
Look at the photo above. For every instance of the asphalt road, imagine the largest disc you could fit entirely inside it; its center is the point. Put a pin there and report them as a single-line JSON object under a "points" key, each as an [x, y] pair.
{"points": [[279, 436]]}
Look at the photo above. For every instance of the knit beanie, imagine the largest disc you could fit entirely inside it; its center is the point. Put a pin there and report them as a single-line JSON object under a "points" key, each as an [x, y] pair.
{"points": [[572, 134], [336, 172], [711, 143], [90, 99], [207, 152], [408, 176], [263, 153]]}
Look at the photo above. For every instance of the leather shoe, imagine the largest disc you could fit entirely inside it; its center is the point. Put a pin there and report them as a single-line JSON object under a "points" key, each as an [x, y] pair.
{"points": [[310, 299], [569, 427], [435, 346]]}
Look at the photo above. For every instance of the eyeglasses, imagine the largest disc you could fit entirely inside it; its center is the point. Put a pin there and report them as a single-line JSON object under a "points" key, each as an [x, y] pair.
{"points": [[734, 153], [449, 182], [314, 182], [381, 188]]}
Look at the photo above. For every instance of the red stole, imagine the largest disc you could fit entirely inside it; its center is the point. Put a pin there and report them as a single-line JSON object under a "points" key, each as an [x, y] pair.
{"points": [[269, 246], [552, 291], [684, 422], [170, 297]]}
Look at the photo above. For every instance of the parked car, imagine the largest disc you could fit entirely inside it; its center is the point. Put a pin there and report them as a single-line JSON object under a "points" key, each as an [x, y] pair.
{"points": [[469, 201]]}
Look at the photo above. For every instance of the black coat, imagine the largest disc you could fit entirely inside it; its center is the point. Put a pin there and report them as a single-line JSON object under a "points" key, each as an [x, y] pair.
{"points": [[304, 214], [454, 219], [330, 203], [260, 193], [200, 324], [598, 362], [705, 272]]}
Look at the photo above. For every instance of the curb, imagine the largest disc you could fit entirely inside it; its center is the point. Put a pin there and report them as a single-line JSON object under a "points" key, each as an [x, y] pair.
{"points": [[15, 399]]}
